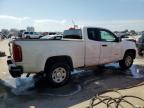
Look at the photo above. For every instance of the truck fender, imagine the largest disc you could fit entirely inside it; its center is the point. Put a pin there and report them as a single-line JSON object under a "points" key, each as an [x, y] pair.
{"points": [[51, 60]]}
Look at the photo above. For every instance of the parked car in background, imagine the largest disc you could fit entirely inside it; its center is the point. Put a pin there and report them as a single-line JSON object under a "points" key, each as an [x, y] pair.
{"points": [[140, 45], [3, 36], [129, 38], [31, 35], [52, 37]]}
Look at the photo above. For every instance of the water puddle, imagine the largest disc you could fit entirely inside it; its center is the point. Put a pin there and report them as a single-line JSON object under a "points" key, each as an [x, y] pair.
{"points": [[22, 85], [31, 85], [136, 71], [27, 86]]}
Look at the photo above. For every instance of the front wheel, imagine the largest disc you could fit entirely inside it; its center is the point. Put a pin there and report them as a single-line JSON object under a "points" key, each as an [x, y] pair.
{"points": [[58, 74], [127, 61]]}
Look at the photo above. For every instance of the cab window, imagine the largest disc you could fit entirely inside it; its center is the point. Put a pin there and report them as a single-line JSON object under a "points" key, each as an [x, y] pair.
{"points": [[97, 34], [107, 36], [72, 34]]}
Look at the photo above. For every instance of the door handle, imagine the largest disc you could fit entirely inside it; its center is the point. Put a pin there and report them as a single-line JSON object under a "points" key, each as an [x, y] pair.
{"points": [[104, 45]]}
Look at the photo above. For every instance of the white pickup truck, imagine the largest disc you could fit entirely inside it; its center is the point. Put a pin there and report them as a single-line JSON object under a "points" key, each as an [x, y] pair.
{"points": [[86, 47]]}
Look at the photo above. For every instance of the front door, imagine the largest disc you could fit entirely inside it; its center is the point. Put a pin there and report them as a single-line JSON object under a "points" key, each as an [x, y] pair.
{"points": [[101, 47], [110, 48]]}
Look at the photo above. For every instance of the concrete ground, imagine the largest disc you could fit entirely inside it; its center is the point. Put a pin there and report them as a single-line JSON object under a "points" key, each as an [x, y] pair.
{"points": [[23, 93]]}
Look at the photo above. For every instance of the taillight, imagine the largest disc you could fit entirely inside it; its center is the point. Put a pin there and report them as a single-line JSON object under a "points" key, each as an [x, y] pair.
{"points": [[17, 53]]}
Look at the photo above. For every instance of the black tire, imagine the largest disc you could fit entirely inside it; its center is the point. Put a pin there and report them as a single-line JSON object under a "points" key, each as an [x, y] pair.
{"points": [[127, 61], [52, 74]]}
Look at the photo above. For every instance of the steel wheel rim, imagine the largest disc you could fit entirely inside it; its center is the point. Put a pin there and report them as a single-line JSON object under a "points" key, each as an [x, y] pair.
{"points": [[59, 75], [128, 61]]}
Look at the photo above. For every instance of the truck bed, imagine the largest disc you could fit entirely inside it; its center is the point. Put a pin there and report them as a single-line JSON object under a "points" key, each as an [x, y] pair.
{"points": [[35, 52]]}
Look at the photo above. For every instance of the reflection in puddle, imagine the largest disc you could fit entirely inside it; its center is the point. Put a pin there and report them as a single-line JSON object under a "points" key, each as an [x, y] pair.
{"points": [[27, 86], [136, 71], [22, 85], [30, 85]]}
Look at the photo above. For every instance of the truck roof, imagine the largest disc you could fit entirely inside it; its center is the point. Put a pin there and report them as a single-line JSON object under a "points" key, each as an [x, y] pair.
{"points": [[93, 27]]}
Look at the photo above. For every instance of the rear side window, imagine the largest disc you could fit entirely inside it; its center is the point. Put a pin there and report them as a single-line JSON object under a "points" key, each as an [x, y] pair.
{"points": [[93, 34], [72, 34]]}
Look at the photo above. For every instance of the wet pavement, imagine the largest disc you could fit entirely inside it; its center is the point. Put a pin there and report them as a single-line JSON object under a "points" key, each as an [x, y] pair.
{"points": [[80, 78]]}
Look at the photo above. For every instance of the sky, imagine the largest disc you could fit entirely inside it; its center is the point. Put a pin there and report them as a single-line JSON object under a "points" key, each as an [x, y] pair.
{"points": [[57, 15]]}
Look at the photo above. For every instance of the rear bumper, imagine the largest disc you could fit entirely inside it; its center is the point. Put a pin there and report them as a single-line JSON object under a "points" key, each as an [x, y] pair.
{"points": [[15, 71]]}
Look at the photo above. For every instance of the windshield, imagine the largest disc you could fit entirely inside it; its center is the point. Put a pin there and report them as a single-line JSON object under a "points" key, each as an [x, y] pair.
{"points": [[72, 34]]}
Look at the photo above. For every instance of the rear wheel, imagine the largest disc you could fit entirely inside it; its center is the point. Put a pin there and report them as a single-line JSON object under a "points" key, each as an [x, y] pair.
{"points": [[127, 61], [58, 74]]}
